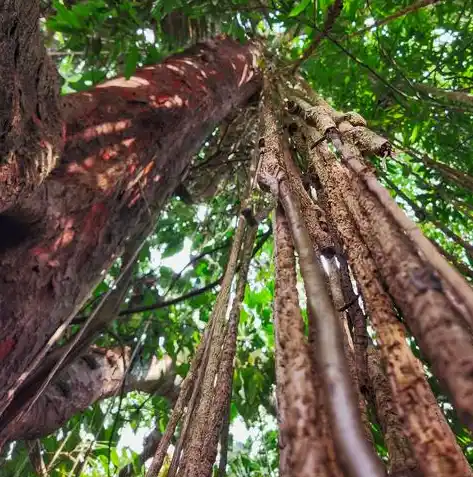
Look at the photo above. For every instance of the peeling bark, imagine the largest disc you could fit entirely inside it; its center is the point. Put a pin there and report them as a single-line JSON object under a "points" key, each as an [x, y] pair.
{"points": [[95, 376], [129, 144], [31, 133]]}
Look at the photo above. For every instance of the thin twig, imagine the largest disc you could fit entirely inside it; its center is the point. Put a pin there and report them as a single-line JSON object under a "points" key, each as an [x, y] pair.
{"points": [[400, 13], [332, 14]]}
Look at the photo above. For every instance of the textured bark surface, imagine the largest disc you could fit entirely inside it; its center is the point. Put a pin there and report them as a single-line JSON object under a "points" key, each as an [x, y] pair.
{"points": [[339, 301], [401, 458], [95, 376], [354, 454], [437, 326], [129, 143], [449, 277], [351, 139], [305, 451], [200, 379], [199, 412], [60, 357], [357, 321], [314, 218], [200, 465], [435, 448], [31, 132], [178, 409]]}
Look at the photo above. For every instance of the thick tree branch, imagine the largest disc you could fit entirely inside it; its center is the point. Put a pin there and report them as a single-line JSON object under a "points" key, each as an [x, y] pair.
{"points": [[93, 377], [129, 144]]}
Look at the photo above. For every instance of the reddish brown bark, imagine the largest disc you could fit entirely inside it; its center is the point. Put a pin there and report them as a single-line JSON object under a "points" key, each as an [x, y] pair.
{"points": [[31, 134], [129, 144], [95, 376]]}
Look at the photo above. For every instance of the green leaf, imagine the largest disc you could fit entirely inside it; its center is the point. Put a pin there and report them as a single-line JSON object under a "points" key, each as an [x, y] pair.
{"points": [[131, 61], [415, 133], [114, 457], [299, 8]]}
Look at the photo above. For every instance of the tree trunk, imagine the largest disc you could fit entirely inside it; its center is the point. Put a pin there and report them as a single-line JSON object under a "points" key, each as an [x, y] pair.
{"points": [[129, 144], [97, 375], [31, 136]]}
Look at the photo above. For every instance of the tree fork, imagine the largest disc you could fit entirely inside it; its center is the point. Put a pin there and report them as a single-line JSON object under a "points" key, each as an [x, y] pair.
{"points": [[96, 375]]}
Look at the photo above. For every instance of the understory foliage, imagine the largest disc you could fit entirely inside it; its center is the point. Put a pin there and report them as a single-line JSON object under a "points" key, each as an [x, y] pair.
{"points": [[311, 327]]}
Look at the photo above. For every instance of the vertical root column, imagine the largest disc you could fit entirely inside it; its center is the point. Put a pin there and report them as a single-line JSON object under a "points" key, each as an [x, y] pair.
{"points": [[434, 444]]}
